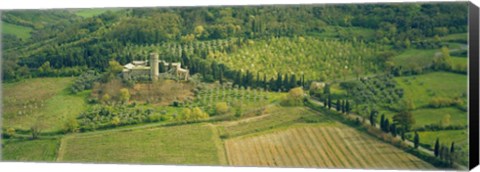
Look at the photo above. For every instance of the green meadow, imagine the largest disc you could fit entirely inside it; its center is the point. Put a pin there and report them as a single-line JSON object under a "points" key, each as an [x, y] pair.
{"points": [[17, 30], [412, 58], [422, 88], [189, 144], [44, 150], [41, 101]]}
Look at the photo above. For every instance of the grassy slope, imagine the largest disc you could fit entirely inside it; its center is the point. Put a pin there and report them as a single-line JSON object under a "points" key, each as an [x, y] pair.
{"points": [[446, 137], [54, 104], [414, 57], [26, 150], [433, 116], [459, 61], [188, 144], [17, 30], [442, 84], [427, 116], [422, 88]]}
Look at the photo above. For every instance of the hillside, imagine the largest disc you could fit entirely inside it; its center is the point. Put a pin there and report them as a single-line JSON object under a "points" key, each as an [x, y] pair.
{"points": [[331, 86]]}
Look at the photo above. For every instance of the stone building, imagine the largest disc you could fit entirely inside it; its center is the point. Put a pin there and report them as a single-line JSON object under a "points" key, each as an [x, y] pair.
{"points": [[144, 68]]}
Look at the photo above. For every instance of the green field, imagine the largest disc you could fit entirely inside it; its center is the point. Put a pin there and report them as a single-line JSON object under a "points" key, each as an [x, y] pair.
{"points": [[422, 88], [433, 116], [189, 144], [17, 30], [92, 12], [428, 116], [30, 150], [43, 101], [413, 58]]}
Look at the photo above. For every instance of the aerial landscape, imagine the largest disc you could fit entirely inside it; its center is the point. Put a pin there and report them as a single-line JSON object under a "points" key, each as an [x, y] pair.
{"points": [[363, 86]]}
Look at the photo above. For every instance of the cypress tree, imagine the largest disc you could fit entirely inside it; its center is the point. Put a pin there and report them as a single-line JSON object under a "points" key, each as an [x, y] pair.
{"points": [[329, 102], [347, 107], [452, 147], [303, 80], [293, 81], [272, 84], [238, 78], [161, 67], [265, 84], [248, 79], [403, 135], [337, 106], [285, 84], [220, 77], [436, 148], [382, 122], [279, 82], [342, 106], [370, 118], [373, 117], [393, 130], [452, 153], [257, 82], [446, 153], [416, 140], [387, 125]]}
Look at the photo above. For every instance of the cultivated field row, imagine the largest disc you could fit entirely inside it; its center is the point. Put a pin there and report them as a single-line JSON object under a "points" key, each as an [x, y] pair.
{"points": [[320, 146]]}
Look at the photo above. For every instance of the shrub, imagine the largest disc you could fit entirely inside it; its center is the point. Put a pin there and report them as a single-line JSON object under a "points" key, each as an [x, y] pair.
{"points": [[71, 125], [198, 114], [294, 97], [85, 81], [154, 118], [115, 121], [221, 108], [105, 98], [238, 112], [124, 95], [439, 102], [10, 132]]}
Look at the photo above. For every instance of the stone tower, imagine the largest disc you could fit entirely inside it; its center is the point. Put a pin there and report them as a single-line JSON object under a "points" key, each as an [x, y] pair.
{"points": [[154, 66]]}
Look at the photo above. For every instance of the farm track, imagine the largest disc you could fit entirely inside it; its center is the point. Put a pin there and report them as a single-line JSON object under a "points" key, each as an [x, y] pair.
{"points": [[222, 155], [61, 149], [319, 146]]}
